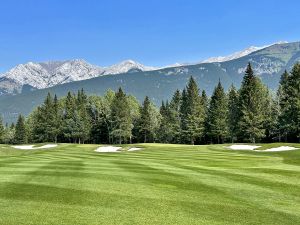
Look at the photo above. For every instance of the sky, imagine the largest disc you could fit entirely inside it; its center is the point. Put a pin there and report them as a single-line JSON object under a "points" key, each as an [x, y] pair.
{"points": [[152, 32]]}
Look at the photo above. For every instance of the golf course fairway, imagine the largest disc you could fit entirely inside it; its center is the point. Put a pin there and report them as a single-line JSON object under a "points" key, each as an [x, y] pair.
{"points": [[159, 184]]}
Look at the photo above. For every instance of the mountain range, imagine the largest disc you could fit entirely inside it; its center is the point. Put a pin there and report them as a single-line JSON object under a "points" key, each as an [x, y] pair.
{"points": [[25, 86], [33, 76]]}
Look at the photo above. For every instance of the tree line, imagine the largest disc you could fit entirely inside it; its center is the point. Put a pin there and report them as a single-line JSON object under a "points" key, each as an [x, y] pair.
{"points": [[250, 114]]}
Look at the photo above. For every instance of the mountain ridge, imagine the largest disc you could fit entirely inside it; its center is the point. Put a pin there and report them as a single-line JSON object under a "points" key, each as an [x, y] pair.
{"points": [[40, 75], [48, 74]]}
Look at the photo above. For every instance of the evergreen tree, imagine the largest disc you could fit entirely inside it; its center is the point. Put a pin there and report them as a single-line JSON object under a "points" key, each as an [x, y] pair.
{"points": [[217, 115], [69, 119], [82, 117], [251, 107], [205, 101], [166, 133], [57, 119], [194, 113], [282, 96], [20, 133], [120, 116], [145, 121], [233, 113], [183, 117], [269, 109], [149, 121], [44, 123], [107, 112], [272, 121], [175, 116], [46, 119], [289, 118], [169, 131], [176, 101]]}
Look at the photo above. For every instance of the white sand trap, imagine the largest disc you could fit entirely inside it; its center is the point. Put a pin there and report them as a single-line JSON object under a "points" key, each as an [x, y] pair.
{"points": [[108, 149], [134, 149], [31, 147], [243, 147], [278, 149]]}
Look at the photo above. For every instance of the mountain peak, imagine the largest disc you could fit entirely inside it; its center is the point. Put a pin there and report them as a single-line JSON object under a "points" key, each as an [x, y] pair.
{"points": [[235, 55], [127, 66], [240, 54]]}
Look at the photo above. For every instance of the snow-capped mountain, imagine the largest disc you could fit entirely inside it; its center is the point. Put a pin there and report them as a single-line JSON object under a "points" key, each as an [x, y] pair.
{"points": [[239, 54], [125, 67], [48, 74], [235, 55]]}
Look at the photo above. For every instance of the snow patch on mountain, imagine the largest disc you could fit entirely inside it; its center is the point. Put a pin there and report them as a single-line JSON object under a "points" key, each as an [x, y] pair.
{"points": [[264, 66]]}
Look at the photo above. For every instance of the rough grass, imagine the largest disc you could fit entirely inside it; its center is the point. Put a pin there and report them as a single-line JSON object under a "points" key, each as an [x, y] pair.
{"points": [[163, 184]]}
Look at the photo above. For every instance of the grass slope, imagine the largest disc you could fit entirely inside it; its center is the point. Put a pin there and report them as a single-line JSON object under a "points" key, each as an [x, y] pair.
{"points": [[163, 184]]}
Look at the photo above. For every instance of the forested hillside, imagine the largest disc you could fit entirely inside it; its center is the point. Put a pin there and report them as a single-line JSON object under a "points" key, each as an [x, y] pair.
{"points": [[248, 114]]}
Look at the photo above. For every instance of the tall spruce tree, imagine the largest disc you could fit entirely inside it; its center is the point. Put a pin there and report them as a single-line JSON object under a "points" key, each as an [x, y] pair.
{"points": [[175, 116], [70, 118], [47, 118], [194, 113], [283, 101], [42, 121], [145, 121], [121, 120], [165, 131], [57, 119], [233, 113], [20, 133], [83, 118], [270, 115], [183, 117], [217, 115], [289, 118], [170, 120], [204, 100], [149, 122], [251, 107]]}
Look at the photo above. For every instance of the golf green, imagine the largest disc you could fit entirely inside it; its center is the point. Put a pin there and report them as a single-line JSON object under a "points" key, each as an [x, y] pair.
{"points": [[160, 184]]}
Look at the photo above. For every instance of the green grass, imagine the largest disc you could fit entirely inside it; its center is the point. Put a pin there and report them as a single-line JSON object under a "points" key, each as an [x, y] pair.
{"points": [[163, 184]]}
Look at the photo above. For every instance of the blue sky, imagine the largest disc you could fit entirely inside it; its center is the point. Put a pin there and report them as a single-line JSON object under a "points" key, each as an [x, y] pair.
{"points": [[153, 32]]}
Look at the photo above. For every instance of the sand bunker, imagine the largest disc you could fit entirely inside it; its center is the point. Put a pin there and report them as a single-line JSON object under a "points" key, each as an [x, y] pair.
{"points": [[278, 149], [134, 149], [31, 147], [108, 149], [243, 147], [254, 147]]}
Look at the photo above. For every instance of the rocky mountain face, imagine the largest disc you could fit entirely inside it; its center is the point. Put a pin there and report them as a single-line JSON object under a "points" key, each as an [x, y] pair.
{"points": [[32, 76], [268, 63]]}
